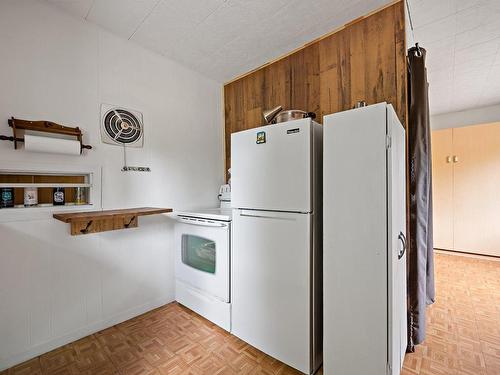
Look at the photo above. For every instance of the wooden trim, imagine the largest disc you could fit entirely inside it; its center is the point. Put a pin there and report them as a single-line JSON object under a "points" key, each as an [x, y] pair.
{"points": [[467, 254], [225, 173], [334, 31]]}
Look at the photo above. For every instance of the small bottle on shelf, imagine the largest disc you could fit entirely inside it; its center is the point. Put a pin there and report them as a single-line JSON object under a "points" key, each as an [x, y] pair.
{"points": [[58, 198], [7, 197], [30, 196], [80, 195]]}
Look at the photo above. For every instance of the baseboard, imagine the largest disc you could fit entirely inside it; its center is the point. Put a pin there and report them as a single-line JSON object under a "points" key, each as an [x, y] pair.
{"points": [[57, 342], [467, 254]]}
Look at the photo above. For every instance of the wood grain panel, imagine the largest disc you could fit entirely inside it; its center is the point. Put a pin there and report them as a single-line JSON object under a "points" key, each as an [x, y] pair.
{"points": [[365, 60]]}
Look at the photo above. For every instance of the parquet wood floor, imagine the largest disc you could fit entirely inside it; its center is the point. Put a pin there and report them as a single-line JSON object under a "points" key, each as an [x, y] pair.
{"points": [[463, 325], [169, 340], [463, 337]]}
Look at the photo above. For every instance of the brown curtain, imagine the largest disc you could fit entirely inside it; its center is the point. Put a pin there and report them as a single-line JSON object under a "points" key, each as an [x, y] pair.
{"points": [[420, 252]]}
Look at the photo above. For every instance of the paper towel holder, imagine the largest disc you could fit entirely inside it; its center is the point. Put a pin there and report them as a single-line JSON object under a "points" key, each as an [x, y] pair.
{"points": [[45, 127]]}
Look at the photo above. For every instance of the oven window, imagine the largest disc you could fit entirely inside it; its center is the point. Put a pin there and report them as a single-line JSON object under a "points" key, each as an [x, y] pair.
{"points": [[198, 252]]}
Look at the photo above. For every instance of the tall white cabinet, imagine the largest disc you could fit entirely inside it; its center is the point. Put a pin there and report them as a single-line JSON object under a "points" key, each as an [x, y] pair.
{"points": [[364, 258]]}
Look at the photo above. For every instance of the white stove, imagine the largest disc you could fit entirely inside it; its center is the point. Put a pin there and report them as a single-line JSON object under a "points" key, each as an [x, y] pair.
{"points": [[222, 214], [202, 265]]}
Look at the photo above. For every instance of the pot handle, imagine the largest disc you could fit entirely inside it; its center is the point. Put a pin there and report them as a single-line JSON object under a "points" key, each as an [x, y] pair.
{"points": [[310, 115]]}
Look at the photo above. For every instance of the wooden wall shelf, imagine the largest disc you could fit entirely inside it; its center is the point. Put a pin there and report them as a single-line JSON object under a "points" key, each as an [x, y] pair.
{"points": [[85, 222], [45, 182]]}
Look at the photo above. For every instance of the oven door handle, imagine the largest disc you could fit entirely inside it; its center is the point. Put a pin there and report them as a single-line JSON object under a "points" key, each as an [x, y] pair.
{"points": [[203, 223]]}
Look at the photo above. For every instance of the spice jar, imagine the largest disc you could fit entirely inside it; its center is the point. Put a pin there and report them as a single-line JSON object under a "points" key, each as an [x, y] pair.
{"points": [[6, 197], [58, 198], [30, 196], [80, 195]]}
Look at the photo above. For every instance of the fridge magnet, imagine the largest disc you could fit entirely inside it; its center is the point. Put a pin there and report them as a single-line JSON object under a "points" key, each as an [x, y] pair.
{"points": [[261, 137]]}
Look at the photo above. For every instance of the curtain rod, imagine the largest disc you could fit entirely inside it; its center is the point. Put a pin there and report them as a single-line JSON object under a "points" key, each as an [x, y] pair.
{"points": [[419, 52], [409, 17]]}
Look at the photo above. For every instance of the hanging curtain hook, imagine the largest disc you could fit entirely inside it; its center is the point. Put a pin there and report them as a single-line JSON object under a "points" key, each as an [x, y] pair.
{"points": [[419, 52]]}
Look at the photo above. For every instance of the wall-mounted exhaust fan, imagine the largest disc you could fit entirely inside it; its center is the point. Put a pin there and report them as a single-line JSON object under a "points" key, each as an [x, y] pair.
{"points": [[122, 127]]}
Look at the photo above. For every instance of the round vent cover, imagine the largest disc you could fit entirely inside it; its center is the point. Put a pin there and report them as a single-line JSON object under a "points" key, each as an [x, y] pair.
{"points": [[122, 126]]}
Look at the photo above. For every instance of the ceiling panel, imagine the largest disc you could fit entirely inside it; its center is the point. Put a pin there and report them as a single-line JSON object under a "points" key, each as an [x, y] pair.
{"points": [[225, 38], [195, 11], [221, 38], [122, 17], [163, 29], [462, 39], [78, 8]]}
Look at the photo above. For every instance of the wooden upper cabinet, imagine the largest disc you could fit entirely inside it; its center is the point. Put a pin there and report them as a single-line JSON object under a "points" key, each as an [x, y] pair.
{"points": [[442, 188], [466, 189]]}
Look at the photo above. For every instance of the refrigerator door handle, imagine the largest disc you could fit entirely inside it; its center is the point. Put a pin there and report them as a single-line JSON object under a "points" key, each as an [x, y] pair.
{"points": [[261, 216], [402, 238]]}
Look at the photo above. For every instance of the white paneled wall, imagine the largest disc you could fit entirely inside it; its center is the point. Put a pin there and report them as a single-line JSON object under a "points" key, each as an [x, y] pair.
{"points": [[55, 288]]}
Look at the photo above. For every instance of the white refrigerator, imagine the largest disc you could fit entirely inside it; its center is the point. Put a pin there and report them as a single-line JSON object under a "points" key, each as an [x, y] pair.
{"points": [[276, 257], [364, 259]]}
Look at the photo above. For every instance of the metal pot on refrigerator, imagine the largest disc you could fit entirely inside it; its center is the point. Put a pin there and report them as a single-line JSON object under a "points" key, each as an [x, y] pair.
{"points": [[293, 114], [277, 115]]}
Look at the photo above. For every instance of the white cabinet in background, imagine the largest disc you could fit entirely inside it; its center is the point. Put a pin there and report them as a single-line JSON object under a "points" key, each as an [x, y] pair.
{"points": [[364, 226], [466, 176]]}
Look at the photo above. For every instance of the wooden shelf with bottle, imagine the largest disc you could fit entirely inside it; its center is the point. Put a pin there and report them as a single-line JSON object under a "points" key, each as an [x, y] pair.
{"points": [[42, 185], [45, 184]]}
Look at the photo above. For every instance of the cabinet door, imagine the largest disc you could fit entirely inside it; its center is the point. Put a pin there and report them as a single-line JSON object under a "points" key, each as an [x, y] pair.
{"points": [[397, 244], [355, 284], [476, 203], [442, 188]]}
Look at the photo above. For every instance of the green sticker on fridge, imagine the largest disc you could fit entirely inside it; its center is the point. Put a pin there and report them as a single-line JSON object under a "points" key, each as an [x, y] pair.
{"points": [[261, 137]]}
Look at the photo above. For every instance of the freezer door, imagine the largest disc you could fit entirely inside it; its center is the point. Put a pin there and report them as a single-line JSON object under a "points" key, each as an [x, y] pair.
{"points": [[271, 284], [396, 184], [271, 167]]}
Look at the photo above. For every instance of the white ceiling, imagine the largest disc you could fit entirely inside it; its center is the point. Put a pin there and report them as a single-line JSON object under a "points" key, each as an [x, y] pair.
{"points": [[225, 38], [462, 39], [220, 38]]}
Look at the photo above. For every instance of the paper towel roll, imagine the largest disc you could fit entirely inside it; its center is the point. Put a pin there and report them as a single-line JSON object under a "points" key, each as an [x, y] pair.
{"points": [[34, 143]]}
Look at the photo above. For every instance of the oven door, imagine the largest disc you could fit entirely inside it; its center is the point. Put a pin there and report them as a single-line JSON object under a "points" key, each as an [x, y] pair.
{"points": [[202, 255]]}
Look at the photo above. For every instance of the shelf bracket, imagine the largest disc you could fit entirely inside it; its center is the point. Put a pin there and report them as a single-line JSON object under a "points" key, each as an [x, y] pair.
{"points": [[86, 229]]}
